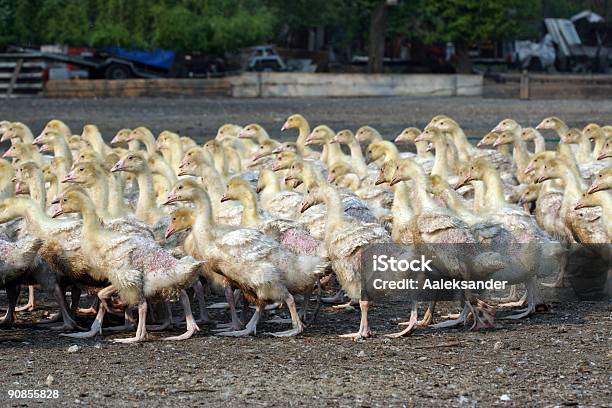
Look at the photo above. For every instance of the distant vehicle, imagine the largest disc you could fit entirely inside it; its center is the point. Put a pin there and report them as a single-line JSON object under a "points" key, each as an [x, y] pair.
{"points": [[264, 58]]}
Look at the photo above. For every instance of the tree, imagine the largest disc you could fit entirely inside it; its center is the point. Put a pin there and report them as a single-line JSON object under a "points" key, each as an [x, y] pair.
{"points": [[376, 41], [467, 21]]}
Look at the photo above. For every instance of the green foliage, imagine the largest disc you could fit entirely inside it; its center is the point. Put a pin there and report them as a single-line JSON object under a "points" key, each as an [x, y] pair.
{"points": [[198, 25], [468, 20], [221, 25]]}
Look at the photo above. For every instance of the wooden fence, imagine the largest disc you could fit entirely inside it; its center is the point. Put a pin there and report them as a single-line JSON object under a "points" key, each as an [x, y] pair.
{"points": [[138, 87], [549, 86]]}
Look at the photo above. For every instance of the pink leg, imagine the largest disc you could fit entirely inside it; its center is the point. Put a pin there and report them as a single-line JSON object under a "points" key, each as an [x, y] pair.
{"points": [[28, 307], [236, 324], [141, 332], [12, 293], [364, 327], [412, 323], [192, 326]]}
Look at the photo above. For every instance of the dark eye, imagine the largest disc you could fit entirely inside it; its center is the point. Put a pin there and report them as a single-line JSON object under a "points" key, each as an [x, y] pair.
{"points": [[65, 200], [81, 169], [131, 158], [174, 219], [307, 191], [180, 187]]}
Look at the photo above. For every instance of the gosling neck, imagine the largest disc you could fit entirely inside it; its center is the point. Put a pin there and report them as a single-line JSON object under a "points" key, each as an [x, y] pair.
{"points": [[304, 131], [204, 225], [521, 157], [494, 189], [271, 187], [98, 191], [146, 194], [250, 213], [539, 144], [421, 149], [464, 148], [92, 224], [600, 141], [357, 161], [61, 148], [584, 154], [36, 185], [116, 187], [214, 184], [335, 211], [38, 222], [440, 168], [401, 208], [176, 155]]}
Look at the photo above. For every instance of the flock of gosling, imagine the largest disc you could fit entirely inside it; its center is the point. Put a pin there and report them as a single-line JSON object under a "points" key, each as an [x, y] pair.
{"points": [[146, 221]]}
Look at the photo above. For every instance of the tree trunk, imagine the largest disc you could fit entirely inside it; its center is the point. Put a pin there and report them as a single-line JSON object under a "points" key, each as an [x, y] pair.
{"points": [[464, 64], [376, 47]]}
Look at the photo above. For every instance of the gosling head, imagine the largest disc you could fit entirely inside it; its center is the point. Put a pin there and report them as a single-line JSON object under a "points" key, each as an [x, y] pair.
{"points": [[504, 138], [83, 173], [408, 135], [430, 134], [133, 162], [506, 125], [572, 136], [141, 133], [474, 171], [488, 139], [404, 170], [284, 160], [320, 135], [386, 172], [121, 136], [367, 134], [252, 131], [376, 150], [338, 170], [16, 130], [181, 219], [286, 147], [228, 130], [235, 189], [294, 121], [70, 201], [606, 150], [47, 137], [166, 139], [266, 178], [530, 194], [589, 200], [528, 134], [443, 123], [184, 190], [295, 173], [264, 149], [19, 151], [87, 154], [551, 169], [537, 161], [58, 126], [344, 136], [89, 133], [314, 195], [602, 182], [550, 123], [593, 131]]}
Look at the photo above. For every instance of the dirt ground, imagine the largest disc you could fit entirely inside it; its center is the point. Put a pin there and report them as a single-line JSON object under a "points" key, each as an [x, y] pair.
{"points": [[200, 118], [561, 358]]}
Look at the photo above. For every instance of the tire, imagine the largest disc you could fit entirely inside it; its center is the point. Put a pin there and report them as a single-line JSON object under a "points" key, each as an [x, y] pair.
{"points": [[117, 71]]}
